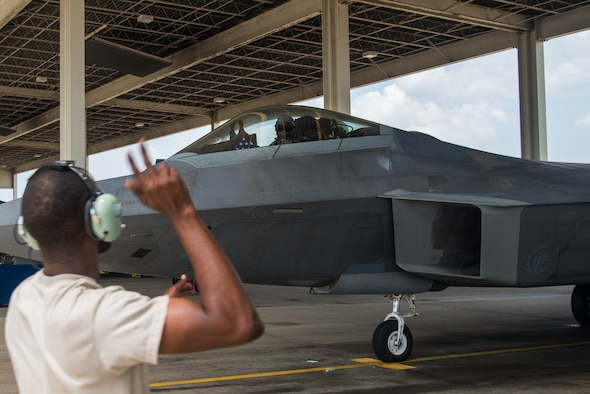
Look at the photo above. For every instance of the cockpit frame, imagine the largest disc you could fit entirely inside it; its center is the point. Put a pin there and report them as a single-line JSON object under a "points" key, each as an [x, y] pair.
{"points": [[265, 127]]}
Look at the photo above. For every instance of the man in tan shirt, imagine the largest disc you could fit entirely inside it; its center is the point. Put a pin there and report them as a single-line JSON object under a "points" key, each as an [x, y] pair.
{"points": [[67, 334]]}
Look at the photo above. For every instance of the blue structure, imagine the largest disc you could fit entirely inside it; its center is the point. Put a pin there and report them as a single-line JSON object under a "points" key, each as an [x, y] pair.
{"points": [[10, 277]]}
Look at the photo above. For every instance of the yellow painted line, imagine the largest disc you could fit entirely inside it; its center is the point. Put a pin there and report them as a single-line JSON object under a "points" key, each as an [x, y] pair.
{"points": [[378, 363], [499, 351], [364, 363], [257, 375]]}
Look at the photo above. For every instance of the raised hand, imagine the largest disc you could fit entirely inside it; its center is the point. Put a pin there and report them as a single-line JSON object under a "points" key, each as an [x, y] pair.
{"points": [[158, 187]]}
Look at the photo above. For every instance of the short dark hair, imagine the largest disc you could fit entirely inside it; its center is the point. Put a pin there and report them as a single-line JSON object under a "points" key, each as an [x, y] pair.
{"points": [[53, 207]]}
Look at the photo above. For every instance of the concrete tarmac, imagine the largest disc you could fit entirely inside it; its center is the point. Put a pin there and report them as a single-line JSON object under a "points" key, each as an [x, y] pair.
{"points": [[489, 340]]}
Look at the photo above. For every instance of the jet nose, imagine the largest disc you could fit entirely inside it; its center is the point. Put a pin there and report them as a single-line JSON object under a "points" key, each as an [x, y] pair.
{"points": [[9, 243]]}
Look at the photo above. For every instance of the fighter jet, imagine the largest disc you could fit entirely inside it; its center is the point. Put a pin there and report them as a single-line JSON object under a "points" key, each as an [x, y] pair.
{"points": [[301, 196]]}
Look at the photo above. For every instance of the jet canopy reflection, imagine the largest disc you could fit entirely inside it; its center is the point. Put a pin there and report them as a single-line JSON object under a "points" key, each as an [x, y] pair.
{"points": [[281, 125]]}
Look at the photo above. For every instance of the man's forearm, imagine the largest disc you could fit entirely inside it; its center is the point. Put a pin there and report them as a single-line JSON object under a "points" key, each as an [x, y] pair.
{"points": [[220, 287]]}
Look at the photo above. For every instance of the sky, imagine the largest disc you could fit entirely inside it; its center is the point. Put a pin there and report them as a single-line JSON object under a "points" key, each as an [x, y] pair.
{"points": [[472, 103]]}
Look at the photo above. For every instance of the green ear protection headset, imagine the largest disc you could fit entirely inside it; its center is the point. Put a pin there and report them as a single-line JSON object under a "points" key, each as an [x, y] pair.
{"points": [[102, 212]]}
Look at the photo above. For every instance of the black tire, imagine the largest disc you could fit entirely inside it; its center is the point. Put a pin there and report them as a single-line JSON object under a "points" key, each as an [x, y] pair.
{"points": [[581, 304], [383, 342]]}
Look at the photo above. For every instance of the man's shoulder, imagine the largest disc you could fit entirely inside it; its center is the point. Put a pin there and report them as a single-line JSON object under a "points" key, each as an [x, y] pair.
{"points": [[42, 279], [73, 289]]}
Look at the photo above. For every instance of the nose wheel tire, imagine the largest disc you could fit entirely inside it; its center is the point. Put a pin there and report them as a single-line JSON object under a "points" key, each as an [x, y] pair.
{"points": [[581, 304], [384, 342]]}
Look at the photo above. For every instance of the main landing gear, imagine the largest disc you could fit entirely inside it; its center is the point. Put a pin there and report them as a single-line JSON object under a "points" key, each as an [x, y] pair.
{"points": [[388, 344], [581, 304]]}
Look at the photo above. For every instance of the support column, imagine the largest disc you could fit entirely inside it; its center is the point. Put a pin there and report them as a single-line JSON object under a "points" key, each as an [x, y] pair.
{"points": [[7, 179], [531, 75], [14, 185], [72, 106], [335, 56]]}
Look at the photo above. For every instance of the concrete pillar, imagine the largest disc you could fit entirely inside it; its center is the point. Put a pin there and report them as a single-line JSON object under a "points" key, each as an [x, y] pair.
{"points": [[335, 56], [72, 104], [14, 185], [531, 75]]}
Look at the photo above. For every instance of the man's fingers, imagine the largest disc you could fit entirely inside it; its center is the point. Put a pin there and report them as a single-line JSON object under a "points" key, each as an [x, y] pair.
{"points": [[132, 164], [174, 172], [161, 188], [181, 288], [146, 159], [187, 289]]}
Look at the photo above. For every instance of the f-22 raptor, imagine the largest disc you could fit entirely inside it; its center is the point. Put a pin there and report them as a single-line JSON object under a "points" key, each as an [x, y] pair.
{"points": [[301, 196]]}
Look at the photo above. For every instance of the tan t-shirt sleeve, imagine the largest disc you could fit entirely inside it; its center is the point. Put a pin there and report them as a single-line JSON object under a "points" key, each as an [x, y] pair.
{"points": [[128, 328]]}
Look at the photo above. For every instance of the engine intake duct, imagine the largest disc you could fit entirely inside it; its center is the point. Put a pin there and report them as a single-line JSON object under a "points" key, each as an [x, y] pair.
{"points": [[457, 238]]}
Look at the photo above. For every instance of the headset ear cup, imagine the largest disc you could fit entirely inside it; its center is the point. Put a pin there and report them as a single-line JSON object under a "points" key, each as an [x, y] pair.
{"points": [[88, 217], [25, 235], [105, 216]]}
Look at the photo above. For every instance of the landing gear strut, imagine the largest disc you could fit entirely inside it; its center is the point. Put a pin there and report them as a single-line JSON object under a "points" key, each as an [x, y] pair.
{"points": [[388, 344]]}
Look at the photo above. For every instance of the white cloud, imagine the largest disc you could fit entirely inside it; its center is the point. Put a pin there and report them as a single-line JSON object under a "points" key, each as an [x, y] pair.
{"points": [[584, 122], [471, 103], [567, 61]]}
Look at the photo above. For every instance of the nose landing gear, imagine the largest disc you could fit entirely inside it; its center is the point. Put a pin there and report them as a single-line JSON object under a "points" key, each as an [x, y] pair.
{"points": [[388, 344]]}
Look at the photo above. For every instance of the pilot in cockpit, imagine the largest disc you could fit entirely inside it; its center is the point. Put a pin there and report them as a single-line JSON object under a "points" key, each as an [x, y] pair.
{"points": [[285, 129]]}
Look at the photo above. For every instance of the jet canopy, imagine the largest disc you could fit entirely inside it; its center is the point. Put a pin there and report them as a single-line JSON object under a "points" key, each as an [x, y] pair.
{"points": [[281, 125]]}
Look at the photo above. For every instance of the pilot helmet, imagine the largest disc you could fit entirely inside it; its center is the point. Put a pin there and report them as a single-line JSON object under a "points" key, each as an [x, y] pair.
{"points": [[285, 123]]}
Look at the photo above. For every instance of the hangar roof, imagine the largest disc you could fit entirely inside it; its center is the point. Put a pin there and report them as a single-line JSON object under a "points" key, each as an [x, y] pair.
{"points": [[202, 59]]}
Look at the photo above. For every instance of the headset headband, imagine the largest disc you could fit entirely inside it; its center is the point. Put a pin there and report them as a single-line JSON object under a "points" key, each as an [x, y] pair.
{"points": [[63, 165]]}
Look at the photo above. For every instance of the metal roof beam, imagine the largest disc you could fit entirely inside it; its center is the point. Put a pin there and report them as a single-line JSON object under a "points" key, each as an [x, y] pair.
{"points": [[35, 145], [457, 11], [436, 57], [9, 9], [159, 107], [131, 104], [27, 92], [565, 23]]}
